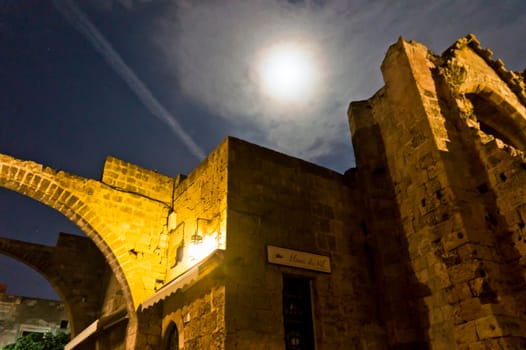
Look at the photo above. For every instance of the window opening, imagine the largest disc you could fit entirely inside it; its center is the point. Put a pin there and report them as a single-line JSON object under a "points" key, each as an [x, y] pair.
{"points": [[492, 121]]}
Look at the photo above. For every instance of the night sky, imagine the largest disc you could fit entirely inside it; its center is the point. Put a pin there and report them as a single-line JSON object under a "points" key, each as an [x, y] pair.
{"points": [[160, 83]]}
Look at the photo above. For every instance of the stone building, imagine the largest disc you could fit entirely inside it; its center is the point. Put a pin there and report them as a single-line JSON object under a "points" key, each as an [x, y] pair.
{"points": [[420, 246], [20, 316]]}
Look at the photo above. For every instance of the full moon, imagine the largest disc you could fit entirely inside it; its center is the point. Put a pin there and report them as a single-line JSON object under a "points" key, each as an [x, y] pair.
{"points": [[287, 73]]}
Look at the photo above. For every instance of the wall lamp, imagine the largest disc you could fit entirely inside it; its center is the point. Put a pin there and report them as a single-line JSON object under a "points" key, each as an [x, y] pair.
{"points": [[197, 237]]}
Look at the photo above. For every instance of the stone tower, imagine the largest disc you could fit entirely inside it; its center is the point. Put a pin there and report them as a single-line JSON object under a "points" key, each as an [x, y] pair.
{"points": [[439, 152]]}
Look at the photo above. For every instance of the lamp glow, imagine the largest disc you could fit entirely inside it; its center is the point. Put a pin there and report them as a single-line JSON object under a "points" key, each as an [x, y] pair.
{"points": [[200, 249]]}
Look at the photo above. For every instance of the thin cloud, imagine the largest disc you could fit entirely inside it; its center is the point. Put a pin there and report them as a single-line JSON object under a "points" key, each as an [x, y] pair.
{"points": [[80, 21], [214, 47]]}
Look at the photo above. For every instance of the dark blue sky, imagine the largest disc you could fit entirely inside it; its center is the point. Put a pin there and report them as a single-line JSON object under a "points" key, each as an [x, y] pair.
{"points": [[63, 105]]}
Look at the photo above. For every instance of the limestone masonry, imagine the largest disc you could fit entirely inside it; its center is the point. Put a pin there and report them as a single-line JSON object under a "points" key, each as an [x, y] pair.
{"points": [[420, 246]]}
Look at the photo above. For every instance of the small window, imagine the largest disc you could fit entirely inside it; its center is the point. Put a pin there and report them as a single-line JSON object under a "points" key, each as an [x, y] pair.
{"points": [[64, 324], [297, 313], [173, 337]]}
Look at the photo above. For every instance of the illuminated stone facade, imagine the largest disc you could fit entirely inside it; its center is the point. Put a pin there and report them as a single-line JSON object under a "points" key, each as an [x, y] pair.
{"points": [[420, 246]]}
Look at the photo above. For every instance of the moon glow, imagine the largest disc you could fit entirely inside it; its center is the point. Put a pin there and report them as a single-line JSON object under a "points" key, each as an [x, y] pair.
{"points": [[287, 73]]}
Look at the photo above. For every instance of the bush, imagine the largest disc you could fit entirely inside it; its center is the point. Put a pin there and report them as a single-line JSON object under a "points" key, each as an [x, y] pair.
{"points": [[40, 341]]}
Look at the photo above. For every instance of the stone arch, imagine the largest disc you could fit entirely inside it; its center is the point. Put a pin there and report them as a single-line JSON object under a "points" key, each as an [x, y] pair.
{"points": [[51, 281], [63, 192], [171, 341], [39, 183], [498, 116], [82, 297]]}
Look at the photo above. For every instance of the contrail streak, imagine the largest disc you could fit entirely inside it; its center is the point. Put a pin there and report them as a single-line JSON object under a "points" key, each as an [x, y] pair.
{"points": [[74, 15]]}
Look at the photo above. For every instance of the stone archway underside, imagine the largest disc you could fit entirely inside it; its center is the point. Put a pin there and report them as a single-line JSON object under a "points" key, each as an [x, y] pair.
{"points": [[125, 225]]}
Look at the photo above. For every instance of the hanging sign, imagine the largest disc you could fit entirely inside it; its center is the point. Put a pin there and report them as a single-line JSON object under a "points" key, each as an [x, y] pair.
{"points": [[296, 258]]}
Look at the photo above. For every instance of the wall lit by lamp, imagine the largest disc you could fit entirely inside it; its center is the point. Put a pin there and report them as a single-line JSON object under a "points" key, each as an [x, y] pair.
{"points": [[203, 241], [197, 237]]}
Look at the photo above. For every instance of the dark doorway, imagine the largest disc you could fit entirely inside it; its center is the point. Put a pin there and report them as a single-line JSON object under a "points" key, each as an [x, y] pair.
{"points": [[297, 313], [173, 337]]}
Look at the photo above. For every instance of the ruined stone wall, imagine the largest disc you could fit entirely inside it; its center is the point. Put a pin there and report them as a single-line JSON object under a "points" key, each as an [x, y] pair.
{"points": [[277, 200], [385, 244], [415, 279], [463, 283], [489, 116]]}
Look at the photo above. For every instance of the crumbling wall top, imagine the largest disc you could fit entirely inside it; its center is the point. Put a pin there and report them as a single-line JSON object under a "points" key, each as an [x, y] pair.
{"points": [[515, 80]]}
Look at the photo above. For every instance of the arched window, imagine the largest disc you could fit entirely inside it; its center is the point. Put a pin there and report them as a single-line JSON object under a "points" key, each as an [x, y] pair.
{"points": [[493, 120], [173, 337]]}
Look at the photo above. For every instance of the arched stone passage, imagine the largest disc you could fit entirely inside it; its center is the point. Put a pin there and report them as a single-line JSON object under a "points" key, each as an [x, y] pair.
{"points": [[74, 268], [126, 226], [498, 117]]}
